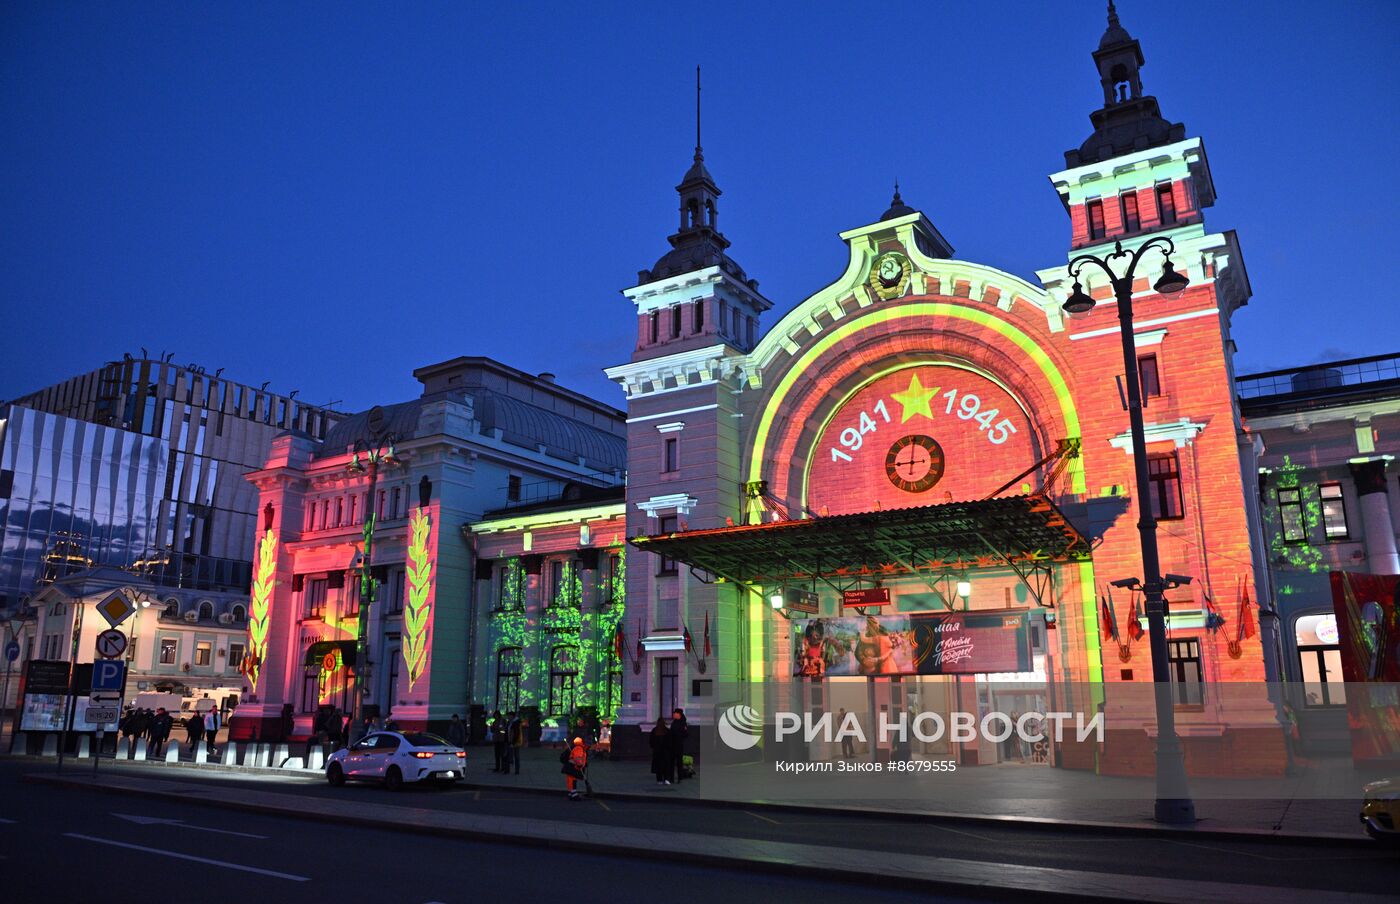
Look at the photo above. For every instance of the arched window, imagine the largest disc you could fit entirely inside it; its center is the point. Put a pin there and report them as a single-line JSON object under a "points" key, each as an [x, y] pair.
{"points": [[206, 610], [172, 609], [509, 664], [240, 614], [563, 680], [693, 209]]}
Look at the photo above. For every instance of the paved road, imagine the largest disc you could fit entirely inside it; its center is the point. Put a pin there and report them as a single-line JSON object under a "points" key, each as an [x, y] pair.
{"points": [[1290, 864], [64, 845]]}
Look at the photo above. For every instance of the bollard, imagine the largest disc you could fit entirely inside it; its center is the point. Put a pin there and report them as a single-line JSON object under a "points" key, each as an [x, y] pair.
{"points": [[50, 745], [201, 755], [123, 748], [292, 762], [318, 758], [84, 749], [172, 752], [279, 755], [230, 754], [140, 755]]}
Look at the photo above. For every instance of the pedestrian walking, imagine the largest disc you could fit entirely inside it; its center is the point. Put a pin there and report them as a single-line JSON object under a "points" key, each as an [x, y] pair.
{"points": [[661, 752], [498, 740], [194, 730], [848, 746], [457, 731], [679, 730], [212, 724], [575, 768], [334, 726], [515, 740], [161, 724]]}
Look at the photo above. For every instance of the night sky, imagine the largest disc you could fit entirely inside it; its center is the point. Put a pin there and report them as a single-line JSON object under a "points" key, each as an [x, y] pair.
{"points": [[327, 196]]}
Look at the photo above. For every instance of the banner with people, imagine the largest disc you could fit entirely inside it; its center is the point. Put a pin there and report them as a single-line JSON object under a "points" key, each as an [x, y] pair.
{"points": [[924, 643], [1368, 623]]}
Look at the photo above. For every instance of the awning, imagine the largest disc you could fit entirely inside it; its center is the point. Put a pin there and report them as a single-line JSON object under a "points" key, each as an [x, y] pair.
{"points": [[317, 652], [1017, 531]]}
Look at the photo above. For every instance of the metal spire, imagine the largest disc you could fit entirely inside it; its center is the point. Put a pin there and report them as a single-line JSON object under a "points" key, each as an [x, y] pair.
{"points": [[1112, 14], [699, 155]]}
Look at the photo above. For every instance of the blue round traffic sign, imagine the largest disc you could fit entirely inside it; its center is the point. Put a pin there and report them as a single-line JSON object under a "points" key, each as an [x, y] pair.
{"points": [[12, 651]]}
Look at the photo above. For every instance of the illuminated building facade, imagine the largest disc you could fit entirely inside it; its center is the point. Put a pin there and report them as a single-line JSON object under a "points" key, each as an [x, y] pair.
{"points": [[481, 438], [941, 430]]}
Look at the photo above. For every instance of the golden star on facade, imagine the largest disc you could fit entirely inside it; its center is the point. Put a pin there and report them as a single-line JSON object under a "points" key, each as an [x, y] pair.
{"points": [[915, 399]]}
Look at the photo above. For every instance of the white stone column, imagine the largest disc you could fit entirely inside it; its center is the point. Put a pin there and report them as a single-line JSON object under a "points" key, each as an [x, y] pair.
{"points": [[1376, 522]]}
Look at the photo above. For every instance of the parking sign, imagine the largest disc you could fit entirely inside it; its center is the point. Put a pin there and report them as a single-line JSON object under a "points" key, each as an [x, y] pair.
{"points": [[109, 675]]}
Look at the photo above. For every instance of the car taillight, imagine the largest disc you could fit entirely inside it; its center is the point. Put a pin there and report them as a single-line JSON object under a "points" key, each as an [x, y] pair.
{"points": [[461, 754], [423, 754]]}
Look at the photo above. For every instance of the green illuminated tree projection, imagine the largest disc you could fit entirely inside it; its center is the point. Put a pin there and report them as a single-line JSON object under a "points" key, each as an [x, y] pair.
{"points": [[1300, 554], [416, 616], [261, 600]]}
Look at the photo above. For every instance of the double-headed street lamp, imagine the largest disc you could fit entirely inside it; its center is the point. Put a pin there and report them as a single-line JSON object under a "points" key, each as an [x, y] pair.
{"points": [[378, 451], [1174, 804]]}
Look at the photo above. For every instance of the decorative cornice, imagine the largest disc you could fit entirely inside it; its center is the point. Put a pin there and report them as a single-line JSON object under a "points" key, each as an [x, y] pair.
{"points": [[682, 503], [682, 370], [1180, 432]]}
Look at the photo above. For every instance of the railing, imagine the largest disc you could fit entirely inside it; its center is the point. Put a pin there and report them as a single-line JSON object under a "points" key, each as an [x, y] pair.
{"points": [[1332, 377]]}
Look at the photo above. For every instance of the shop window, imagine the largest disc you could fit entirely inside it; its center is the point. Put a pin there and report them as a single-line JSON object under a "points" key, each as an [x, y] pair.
{"points": [[1131, 221], [1290, 516], [1166, 204], [1096, 223], [314, 598], [671, 459], [168, 646], [666, 565], [667, 686], [203, 652], [1334, 511], [1188, 680], [509, 662], [1148, 377], [1164, 486]]}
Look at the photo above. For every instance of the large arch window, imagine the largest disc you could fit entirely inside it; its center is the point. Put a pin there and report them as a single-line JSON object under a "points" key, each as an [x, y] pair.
{"points": [[563, 680], [509, 665]]}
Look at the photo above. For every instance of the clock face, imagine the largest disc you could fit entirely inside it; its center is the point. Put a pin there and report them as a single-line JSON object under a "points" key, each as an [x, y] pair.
{"points": [[914, 463]]}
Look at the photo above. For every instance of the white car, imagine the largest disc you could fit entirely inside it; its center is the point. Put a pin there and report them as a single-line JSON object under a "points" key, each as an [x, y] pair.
{"points": [[395, 757]]}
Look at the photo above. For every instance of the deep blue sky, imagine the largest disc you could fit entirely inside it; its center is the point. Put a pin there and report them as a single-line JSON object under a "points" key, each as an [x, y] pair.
{"points": [[330, 195]]}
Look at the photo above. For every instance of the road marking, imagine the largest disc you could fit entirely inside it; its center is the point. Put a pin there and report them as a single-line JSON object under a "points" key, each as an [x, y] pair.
{"points": [[8, 822], [603, 805], [191, 857], [156, 820], [762, 817]]}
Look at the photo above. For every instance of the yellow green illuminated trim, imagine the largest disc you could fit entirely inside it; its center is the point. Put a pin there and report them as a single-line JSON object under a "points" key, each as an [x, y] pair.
{"points": [[940, 309], [415, 614], [261, 601], [526, 522]]}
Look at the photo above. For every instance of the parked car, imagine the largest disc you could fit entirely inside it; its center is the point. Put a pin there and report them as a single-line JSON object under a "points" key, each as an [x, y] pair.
{"points": [[1380, 810], [394, 758]]}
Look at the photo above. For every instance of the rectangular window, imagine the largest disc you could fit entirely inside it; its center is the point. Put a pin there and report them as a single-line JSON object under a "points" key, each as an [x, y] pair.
{"points": [[314, 598], [1131, 221], [203, 652], [1096, 224], [325, 514], [1290, 516], [667, 686], [353, 501], [395, 592], [351, 599], [168, 646], [735, 329], [1166, 204], [1334, 511], [1323, 684], [394, 502], [235, 656], [676, 322], [699, 316], [671, 461], [614, 563], [556, 581], [1148, 377], [666, 525], [340, 511], [513, 488], [654, 321], [1188, 681], [1164, 486]]}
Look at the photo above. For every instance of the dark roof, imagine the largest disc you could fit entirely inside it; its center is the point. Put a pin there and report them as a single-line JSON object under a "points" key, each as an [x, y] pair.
{"points": [[574, 495], [928, 539], [400, 419], [897, 207]]}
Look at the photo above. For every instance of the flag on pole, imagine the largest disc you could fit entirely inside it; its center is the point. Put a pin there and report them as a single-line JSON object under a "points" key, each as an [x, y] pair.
{"points": [[1246, 614], [1135, 627], [640, 649], [688, 642], [707, 633]]}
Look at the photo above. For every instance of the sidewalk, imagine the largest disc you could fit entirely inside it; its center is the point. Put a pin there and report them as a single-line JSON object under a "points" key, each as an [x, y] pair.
{"points": [[1039, 795], [924, 873]]}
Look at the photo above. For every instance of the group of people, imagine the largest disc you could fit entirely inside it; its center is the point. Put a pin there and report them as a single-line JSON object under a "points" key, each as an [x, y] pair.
{"points": [[668, 749], [155, 726], [508, 736]]}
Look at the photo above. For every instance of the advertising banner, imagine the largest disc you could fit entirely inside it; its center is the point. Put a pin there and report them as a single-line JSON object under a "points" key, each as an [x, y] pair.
{"points": [[926, 643], [1368, 623]]}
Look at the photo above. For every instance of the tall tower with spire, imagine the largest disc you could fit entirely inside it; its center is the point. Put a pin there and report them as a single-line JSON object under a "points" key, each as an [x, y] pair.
{"points": [[697, 318]]}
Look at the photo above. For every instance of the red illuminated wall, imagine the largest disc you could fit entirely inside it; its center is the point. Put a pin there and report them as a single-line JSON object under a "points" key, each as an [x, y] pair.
{"points": [[918, 436]]}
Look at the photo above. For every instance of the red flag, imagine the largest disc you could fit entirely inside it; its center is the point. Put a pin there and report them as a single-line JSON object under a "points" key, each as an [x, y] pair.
{"points": [[707, 633], [688, 642], [1106, 611], [1246, 615], [1135, 626]]}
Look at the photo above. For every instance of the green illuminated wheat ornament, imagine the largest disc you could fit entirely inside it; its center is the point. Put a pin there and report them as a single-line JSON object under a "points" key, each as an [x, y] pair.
{"points": [[261, 599], [420, 583]]}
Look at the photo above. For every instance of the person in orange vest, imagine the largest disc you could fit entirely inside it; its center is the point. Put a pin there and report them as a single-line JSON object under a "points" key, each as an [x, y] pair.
{"points": [[576, 768]]}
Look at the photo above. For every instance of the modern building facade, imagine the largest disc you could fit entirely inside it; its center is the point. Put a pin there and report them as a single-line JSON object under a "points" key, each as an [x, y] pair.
{"points": [[940, 435], [137, 466], [482, 437]]}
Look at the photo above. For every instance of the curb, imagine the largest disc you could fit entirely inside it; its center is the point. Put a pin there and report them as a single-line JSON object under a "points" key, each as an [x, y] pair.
{"points": [[915, 817]]}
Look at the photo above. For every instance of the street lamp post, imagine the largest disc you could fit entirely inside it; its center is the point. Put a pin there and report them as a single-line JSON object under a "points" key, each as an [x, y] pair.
{"points": [[379, 451], [1174, 804]]}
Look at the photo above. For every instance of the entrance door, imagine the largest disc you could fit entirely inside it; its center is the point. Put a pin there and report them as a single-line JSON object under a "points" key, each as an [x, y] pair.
{"points": [[667, 686]]}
